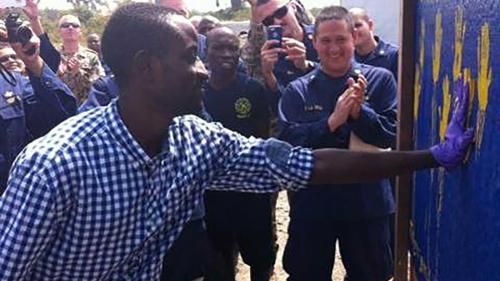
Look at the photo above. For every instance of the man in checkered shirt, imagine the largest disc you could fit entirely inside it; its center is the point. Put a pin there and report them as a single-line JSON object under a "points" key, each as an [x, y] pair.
{"points": [[105, 194]]}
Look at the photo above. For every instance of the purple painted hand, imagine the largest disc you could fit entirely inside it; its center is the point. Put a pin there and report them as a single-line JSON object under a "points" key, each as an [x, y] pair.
{"points": [[452, 151]]}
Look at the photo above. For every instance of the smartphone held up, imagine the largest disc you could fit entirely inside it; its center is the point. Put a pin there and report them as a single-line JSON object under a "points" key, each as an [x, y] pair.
{"points": [[275, 32]]}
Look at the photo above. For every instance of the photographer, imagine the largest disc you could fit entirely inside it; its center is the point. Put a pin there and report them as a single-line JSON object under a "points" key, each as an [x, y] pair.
{"points": [[28, 108]]}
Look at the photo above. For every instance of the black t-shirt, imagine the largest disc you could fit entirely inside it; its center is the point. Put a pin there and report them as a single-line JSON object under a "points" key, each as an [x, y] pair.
{"points": [[241, 107]]}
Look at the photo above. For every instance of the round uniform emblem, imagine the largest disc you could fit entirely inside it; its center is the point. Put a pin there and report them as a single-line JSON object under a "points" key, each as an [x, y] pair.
{"points": [[243, 107]]}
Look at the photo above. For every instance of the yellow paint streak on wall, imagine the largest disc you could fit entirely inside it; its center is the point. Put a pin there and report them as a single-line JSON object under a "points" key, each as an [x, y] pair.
{"points": [[460, 28], [446, 108], [418, 91], [436, 60], [484, 80], [485, 73], [419, 68], [469, 79]]}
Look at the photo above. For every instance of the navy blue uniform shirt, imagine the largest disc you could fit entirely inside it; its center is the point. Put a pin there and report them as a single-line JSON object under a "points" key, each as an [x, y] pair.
{"points": [[241, 107], [385, 55], [103, 91], [304, 109], [28, 110]]}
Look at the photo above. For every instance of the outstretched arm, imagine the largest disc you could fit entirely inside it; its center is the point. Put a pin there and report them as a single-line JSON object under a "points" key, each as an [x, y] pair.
{"points": [[346, 166], [340, 166]]}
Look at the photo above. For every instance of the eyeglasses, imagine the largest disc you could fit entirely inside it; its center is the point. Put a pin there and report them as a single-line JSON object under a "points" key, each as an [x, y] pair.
{"points": [[278, 14], [7, 58], [68, 24]]}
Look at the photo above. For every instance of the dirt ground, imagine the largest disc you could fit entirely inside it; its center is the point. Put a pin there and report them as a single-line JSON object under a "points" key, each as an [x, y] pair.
{"points": [[282, 224]]}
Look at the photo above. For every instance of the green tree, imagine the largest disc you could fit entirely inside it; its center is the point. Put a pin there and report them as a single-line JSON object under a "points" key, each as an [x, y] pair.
{"points": [[91, 4]]}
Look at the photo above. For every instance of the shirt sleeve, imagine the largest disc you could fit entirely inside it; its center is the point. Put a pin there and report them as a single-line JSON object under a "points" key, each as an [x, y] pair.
{"points": [[47, 102], [250, 53], [28, 220], [49, 53], [255, 165], [378, 119]]}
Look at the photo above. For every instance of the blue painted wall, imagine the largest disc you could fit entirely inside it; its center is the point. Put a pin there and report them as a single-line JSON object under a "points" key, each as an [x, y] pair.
{"points": [[456, 215]]}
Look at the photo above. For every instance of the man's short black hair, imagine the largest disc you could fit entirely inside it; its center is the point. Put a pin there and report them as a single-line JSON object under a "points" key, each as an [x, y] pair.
{"points": [[334, 13], [136, 27]]}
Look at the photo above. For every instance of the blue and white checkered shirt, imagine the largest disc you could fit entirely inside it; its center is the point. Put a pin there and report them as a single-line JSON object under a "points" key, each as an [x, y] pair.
{"points": [[86, 202]]}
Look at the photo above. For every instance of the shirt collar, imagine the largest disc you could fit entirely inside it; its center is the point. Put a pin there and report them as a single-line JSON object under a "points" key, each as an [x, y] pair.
{"points": [[318, 75], [122, 135], [381, 49]]}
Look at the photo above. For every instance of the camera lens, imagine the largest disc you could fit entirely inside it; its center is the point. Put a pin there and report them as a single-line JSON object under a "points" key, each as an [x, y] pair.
{"points": [[24, 34]]}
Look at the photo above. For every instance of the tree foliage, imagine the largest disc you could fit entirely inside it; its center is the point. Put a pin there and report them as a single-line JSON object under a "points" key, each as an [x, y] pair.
{"points": [[91, 20], [92, 4]]}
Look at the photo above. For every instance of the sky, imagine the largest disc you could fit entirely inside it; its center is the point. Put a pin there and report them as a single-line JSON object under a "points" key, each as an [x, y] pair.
{"points": [[199, 5]]}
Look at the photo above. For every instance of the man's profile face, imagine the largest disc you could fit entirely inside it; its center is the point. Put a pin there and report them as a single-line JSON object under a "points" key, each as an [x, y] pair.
{"points": [[288, 21], [94, 43], [182, 73], [364, 29], [334, 43], [223, 51]]}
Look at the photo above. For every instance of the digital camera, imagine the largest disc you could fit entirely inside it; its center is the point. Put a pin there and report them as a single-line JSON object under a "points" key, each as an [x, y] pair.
{"points": [[17, 32]]}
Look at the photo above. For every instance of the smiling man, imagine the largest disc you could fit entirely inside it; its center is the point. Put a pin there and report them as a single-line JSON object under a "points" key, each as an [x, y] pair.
{"points": [[106, 193], [319, 111], [9, 59], [238, 222]]}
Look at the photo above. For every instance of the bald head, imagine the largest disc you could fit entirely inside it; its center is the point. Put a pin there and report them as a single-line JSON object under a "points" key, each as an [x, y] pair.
{"points": [[94, 42], [69, 19], [357, 12], [177, 5], [221, 31], [223, 51]]}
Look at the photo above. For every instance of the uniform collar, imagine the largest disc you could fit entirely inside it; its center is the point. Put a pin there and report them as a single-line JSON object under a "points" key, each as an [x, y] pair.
{"points": [[318, 75], [381, 49]]}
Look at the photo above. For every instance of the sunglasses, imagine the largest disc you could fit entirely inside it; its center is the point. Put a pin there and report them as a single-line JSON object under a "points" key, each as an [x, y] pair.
{"points": [[7, 58], [278, 14], [68, 24]]}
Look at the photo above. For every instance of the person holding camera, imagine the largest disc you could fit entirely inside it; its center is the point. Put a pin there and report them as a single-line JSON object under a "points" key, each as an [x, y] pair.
{"points": [[278, 62], [28, 108]]}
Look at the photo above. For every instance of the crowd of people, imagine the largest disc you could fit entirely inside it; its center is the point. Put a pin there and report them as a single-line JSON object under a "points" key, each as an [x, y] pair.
{"points": [[152, 155]]}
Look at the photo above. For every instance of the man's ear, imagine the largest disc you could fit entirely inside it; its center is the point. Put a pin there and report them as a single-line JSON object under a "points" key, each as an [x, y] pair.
{"points": [[143, 65], [371, 25], [142, 61]]}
